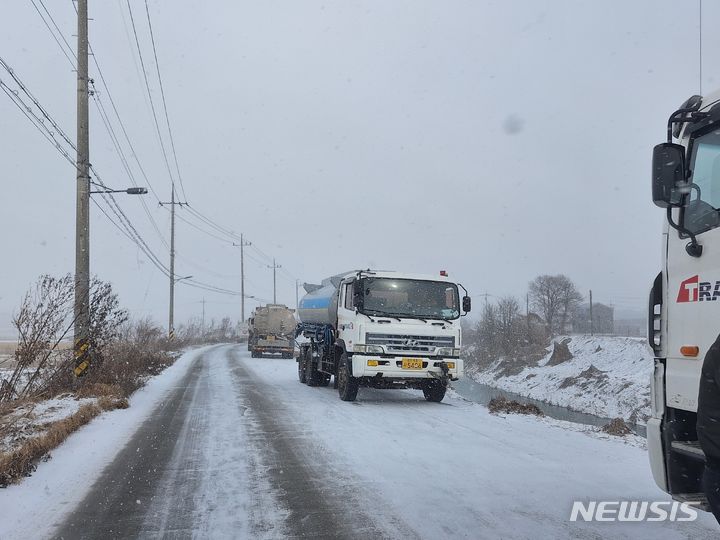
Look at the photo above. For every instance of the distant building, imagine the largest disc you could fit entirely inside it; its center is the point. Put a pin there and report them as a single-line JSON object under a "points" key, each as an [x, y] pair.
{"points": [[603, 319], [631, 327]]}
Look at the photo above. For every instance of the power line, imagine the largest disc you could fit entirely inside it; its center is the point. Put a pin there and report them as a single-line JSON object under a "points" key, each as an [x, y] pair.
{"points": [[126, 165], [152, 103], [68, 56], [123, 223], [162, 95], [96, 98]]}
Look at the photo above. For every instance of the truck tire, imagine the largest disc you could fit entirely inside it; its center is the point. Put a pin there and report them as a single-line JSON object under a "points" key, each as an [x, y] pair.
{"points": [[301, 368], [347, 384], [434, 390], [312, 376]]}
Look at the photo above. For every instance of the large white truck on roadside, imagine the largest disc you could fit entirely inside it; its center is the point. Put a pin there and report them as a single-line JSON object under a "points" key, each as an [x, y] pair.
{"points": [[271, 330], [382, 330], [684, 311]]}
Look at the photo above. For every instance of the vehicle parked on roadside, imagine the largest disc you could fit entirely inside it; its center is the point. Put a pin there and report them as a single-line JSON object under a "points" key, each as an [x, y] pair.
{"points": [[271, 330], [382, 330]]}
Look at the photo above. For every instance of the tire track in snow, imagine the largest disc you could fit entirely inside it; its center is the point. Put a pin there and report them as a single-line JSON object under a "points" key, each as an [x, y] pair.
{"points": [[323, 501]]}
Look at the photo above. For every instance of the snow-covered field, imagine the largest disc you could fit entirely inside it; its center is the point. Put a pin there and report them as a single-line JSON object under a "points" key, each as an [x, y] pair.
{"points": [[418, 469], [607, 376], [30, 419]]}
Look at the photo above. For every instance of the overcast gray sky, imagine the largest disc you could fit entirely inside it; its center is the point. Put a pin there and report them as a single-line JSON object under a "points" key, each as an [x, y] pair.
{"points": [[495, 140]]}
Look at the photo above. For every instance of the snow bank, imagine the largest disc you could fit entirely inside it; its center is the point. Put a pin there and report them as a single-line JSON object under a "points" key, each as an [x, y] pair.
{"points": [[31, 419], [33, 508], [607, 376]]}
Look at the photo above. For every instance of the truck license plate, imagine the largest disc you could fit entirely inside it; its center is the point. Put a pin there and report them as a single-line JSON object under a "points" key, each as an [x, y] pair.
{"points": [[271, 338], [412, 363]]}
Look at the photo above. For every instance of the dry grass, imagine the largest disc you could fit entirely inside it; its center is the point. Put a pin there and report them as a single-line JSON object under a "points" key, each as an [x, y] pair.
{"points": [[23, 461], [617, 427], [99, 390], [507, 406], [7, 348]]}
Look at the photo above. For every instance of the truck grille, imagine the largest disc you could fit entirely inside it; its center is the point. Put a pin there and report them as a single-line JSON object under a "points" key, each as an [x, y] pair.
{"points": [[410, 344]]}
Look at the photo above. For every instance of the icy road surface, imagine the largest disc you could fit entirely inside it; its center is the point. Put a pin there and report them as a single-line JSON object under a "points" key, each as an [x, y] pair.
{"points": [[235, 447]]}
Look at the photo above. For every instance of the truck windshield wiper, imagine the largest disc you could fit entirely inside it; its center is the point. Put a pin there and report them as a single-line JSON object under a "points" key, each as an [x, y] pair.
{"points": [[380, 314]]}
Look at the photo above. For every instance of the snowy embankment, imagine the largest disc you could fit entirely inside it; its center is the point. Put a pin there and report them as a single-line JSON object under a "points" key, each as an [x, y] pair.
{"points": [[31, 508], [606, 376]]}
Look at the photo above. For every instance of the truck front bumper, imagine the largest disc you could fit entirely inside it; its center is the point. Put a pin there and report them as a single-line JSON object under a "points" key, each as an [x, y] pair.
{"points": [[391, 367]]}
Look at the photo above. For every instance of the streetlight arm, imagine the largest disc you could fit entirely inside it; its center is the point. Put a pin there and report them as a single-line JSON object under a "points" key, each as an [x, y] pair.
{"points": [[129, 191]]}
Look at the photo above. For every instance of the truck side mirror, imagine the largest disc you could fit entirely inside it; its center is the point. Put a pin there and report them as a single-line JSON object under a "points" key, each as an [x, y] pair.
{"points": [[668, 174], [467, 304]]}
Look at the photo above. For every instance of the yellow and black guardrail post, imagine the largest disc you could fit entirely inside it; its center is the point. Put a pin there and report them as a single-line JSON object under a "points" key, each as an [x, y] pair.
{"points": [[82, 357]]}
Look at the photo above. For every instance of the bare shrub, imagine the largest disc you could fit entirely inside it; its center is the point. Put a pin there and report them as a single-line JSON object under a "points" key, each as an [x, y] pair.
{"points": [[42, 323], [141, 352]]}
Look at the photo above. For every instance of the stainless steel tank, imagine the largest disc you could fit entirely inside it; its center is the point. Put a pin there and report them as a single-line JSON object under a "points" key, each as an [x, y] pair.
{"points": [[319, 305]]}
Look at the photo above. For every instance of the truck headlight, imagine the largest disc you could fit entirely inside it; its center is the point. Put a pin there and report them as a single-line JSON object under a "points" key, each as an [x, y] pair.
{"points": [[452, 352], [372, 349]]}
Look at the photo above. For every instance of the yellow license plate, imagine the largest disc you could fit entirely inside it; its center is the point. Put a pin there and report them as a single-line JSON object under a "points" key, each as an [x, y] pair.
{"points": [[271, 338], [412, 363]]}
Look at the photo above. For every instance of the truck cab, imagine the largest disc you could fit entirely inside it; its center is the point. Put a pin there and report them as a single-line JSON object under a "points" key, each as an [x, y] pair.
{"points": [[388, 330], [684, 311]]}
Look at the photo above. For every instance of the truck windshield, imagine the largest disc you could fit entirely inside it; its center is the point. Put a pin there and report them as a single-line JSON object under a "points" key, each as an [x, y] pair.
{"points": [[410, 298], [701, 213]]}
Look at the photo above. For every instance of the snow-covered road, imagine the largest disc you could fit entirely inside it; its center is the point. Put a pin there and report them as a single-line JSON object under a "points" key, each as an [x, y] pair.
{"points": [[235, 447]]}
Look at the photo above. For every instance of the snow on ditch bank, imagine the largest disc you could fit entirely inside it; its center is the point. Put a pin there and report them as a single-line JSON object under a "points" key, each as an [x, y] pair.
{"points": [[33, 508], [607, 376]]}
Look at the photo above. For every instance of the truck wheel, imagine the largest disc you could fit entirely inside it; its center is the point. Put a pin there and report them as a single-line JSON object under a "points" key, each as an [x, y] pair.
{"points": [[312, 375], [301, 369], [347, 384], [434, 391]]}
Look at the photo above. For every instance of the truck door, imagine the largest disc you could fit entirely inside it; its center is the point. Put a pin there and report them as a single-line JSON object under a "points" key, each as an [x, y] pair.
{"points": [[693, 283], [347, 323]]}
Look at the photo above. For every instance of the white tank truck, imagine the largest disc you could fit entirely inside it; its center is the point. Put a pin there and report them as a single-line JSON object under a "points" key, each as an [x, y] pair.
{"points": [[684, 308], [382, 330]]}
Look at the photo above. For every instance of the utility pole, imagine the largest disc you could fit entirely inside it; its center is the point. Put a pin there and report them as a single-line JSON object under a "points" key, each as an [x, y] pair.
{"points": [[527, 314], [171, 310], [82, 212], [171, 314], [203, 318], [297, 296], [242, 245], [592, 332], [274, 267]]}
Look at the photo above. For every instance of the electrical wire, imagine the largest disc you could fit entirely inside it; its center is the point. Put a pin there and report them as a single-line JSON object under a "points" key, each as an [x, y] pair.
{"points": [[152, 103], [162, 95]]}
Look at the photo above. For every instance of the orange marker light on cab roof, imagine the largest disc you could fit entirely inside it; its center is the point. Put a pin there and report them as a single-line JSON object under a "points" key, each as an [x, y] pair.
{"points": [[690, 350]]}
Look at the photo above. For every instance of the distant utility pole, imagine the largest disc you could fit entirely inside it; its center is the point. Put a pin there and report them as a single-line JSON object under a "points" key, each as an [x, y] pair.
{"points": [[592, 332], [171, 310], [242, 245], [527, 313], [297, 296], [203, 318], [82, 212], [274, 269]]}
